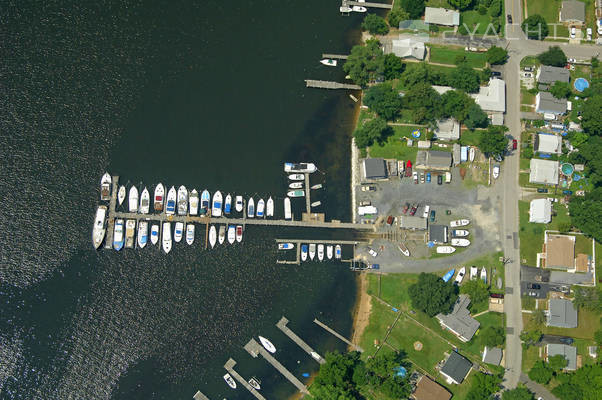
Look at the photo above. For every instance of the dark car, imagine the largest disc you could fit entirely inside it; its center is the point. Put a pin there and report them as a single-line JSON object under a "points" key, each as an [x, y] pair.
{"points": [[439, 179], [413, 210], [514, 144], [567, 192], [496, 73], [390, 220], [542, 190], [509, 17], [432, 218], [534, 286], [566, 340]]}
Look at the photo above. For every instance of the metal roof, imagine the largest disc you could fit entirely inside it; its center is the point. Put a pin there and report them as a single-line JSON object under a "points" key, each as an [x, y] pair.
{"points": [[572, 11], [540, 211], [569, 352], [543, 171], [441, 16], [374, 168], [562, 313]]}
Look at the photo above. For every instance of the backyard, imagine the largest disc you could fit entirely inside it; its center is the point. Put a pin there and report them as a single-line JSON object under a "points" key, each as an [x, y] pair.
{"points": [[448, 55], [396, 145]]}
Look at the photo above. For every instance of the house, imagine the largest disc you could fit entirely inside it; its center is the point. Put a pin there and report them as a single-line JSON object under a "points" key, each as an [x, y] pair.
{"points": [[441, 16], [493, 96], [492, 355], [562, 314], [433, 160], [568, 352], [412, 222], [406, 48], [545, 103], [447, 129], [547, 75], [428, 389], [572, 12], [456, 368], [540, 211], [438, 233], [558, 251], [544, 172], [459, 321], [374, 168], [548, 143]]}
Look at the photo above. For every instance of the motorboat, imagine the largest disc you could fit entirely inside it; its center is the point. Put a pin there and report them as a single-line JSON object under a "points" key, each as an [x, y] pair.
{"points": [[269, 207], [231, 234], [317, 186], [133, 199], [239, 233], [190, 234], [267, 344], [496, 171], [166, 242], [178, 233], [121, 194], [231, 382], [295, 185], [216, 207], [144, 202], [473, 272], [460, 275], [316, 203], [448, 275], [337, 252], [460, 242], [182, 200], [193, 202], [304, 168], [315, 356], [483, 275], [296, 193], [345, 9], [260, 208], [255, 383], [321, 252], [212, 236], [471, 154], [312, 251], [228, 204], [359, 9], [303, 252], [205, 202], [458, 223], [154, 234], [296, 177], [170, 207], [460, 233], [221, 237], [130, 233], [329, 62], [285, 246], [105, 187], [445, 249], [329, 249], [142, 234], [404, 249], [239, 204], [118, 235], [287, 209], [159, 197], [251, 208], [100, 229]]}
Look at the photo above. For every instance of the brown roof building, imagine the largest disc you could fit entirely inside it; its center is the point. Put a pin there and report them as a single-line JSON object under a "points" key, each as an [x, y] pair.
{"points": [[559, 251], [582, 263], [427, 389]]}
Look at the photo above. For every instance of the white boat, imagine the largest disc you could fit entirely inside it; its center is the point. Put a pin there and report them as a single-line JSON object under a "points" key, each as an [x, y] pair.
{"points": [[312, 251], [316, 186], [267, 344], [228, 204], [231, 234], [216, 207], [269, 207], [105, 187], [345, 9], [445, 249], [315, 356], [460, 242], [295, 185], [178, 233], [130, 232], [182, 200], [239, 204], [337, 252], [193, 202], [231, 382], [142, 233], [404, 250], [118, 235], [285, 246], [329, 62], [133, 199], [296, 177], [212, 236], [329, 249], [260, 208], [296, 193], [496, 171], [321, 252], [484, 275], [144, 202], [159, 197], [170, 206], [359, 9], [166, 242], [287, 209], [316, 203], [471, 154], [239, 233], [154, 234], [251, 208], [473, 272], [190, 234], [460, 233], [304, 168], [121, 194], [303, 252], [460, 275], [205, 202], [459, 222], [221, 236], [254, 382], [100, 229]]}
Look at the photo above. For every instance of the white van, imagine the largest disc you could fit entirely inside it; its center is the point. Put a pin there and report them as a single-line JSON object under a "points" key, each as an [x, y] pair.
{"points": [[425, 214]]}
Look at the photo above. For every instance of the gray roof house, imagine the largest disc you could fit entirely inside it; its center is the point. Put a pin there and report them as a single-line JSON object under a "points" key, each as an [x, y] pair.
{"points": [[492, 355], [492, 97], [562, 313], [374, 168], [572, 12], [441, 16], [569, 352], [447, 129], [407, 48], [438, 233], [456, 368], [459, 321], [433, 160], [546, 103], [543, 172], [548, 74]]}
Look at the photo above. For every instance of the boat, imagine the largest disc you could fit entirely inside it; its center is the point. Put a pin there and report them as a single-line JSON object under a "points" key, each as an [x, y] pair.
{"points": [[287, 209], [190, 234], [159, 197], [329, 62], [459, 222], [303, 252], [359, 9], [269, 207], [170, 207], [239, 205], [216, 207], [99, 230], [337, 251], [267, 344], [166, 237], [144, 202], [304, 168], [460, 242], [316, 203], [212, 236], [222, 234], [329, 249], [230, 381], [315, 356], [193, 202], [296, 177], [404, 250], [312, 251], [296, 193], [473, 272], [105, 187], [460, 275], [260, 208], [154, 234], [239, 233], [286, 246], [231, 234], [295, 185], [142, 233], [121, 194], [133, 199], [445, 249], [484, 274], [471, 154], [317, 186], [130, 232], [255, 383], [460, 232], [251, 208], [321, 252], [448, 275], [228, 204], [345, 9], [178, 232], [118, 238], [205, 202], [496, 171], [182, 200]]}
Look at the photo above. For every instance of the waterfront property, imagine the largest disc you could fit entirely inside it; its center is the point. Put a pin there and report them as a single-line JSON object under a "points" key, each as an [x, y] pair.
{"points": [[456, 368], [433, 160], [406, 47], [374, 168], [441, 16], [459, 321]]}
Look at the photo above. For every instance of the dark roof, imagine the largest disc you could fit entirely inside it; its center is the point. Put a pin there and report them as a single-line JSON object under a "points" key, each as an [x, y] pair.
{"points": [[375, 168], [456, 367], [438, 233]]}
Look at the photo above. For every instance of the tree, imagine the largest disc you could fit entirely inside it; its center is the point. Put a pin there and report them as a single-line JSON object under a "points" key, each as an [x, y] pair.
{"points": [[583, 384], [495, 9], [561, 90], [477, 290], [557, 363], [461, 4], [375, 130], [586, 215], [492, 336], [554, 56], [456, 104], [494, 141], [424, 102], [431, 295], [393, 67], [383, 100], [530, 338], [365, 63], [415, 8], [535, 27], [396, 16], [538, 317], [381, 371], [496, 55], [334, 380], [414, 74], [591, 122], [476, 117], [541, 373], [483, 386], [598, 337], [465, 78], [519, 393], [587, 297], [375, 25]]}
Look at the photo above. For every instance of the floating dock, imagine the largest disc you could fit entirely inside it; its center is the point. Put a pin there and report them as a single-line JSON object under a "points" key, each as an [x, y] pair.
{"points": [[286, 330], [299, 242], [356, 347], [330, 85], [199, 396], [229, 366], [335, 56], [349, 3]]}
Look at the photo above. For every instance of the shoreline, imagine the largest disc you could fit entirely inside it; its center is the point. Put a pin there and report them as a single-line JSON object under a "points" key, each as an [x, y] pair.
{"points": [[362, 309]]}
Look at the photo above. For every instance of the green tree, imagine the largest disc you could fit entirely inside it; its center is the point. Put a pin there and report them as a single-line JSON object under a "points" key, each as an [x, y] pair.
{"points": [[494, 141], [431, 295], [591, 120], [476, 118], [492, 336], [416, 73], [381, 372], [393, 67], [541, 372], [598, 337], [561, 90], [554, 56], [375, 130], [375, 25], [483, 386], [586, 215], [424, 102], [477, 290], [496, 55], [530, 338], [495, 9], [456, 104], [365, 63], [465, 78], [583, 384], [538, 317], [519, 393], [577, 139], [535, 27], [414, 8], [461, 4], [587, 297], [396, 16], [383, 100], [557, 363], [334, 379]]}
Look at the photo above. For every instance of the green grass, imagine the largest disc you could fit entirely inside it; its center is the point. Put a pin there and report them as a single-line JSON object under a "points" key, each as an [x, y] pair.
{"points": [[392, 288], [588, 323], [447, 55], [527, 97], [529, 61], [548, 9], [476, 23], [528, 303], [475, 346], [396, 146], [470, 138], [530, 356]]}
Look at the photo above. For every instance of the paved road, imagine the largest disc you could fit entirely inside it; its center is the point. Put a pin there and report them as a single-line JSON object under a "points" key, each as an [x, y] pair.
{"points": [[539, 390]]}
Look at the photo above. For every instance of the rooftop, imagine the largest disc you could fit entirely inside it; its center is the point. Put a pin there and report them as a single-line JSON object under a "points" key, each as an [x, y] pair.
{"points": [[569, 352], [427, 389], [543, 171], [492, 355], [433, 159], [447, 129], [456, 367], [493, 96], [548, 143], [562, 313], [545, 102], [374, 168], [407, 47], [441, 16], [572, 11], [438, 233], [548, 74], [459, 320], [540, 211], [560, 251]]}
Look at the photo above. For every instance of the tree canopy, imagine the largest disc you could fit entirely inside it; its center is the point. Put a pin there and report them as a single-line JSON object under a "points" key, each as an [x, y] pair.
{"points": [[414, 8], [456, 104], [465, 78], [588, 298], [374, 130], [424, 102], [554, 56], [383, 100], [586, 212], [561, 90], [375, 24], [530, 338], [519, 393], [393, 66], [492, 336], [541, 372], [494, 141], [416, 73], [461, 4], [477, 118], [397, 15], [477, 290], [496, 55], [557, 363], [483, 386], [583, 384], [431, 295], [365, 63], [535, 27], [591, 120]]}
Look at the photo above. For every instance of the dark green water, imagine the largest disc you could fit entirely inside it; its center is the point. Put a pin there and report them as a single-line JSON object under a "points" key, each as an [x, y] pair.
{"points": [[209, 95]]}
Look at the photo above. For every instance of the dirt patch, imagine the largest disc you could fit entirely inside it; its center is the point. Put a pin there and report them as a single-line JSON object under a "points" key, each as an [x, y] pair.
{"points": [[417, 346], [363, 307]]}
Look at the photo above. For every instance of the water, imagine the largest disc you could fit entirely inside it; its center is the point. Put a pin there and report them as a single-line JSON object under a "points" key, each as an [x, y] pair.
{"points": [[208, 95]]}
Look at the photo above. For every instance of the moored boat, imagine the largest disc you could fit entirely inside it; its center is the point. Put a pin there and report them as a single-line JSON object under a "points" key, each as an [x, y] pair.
{"points": [[296, 193], [321, 252], [316, 203], [159, 197], [460, 275], [170, 206], [445, 249], [231, 382], [285, 246], [267, 344], [460, 242], [205, 202], [269, 207], [359, 9], [312, 251], [316, 186], [329, 249], [118, 235], [459, 222], [255, 383], [260, 208], [295, 185], [190, 234], [296, 177], [473, 272], [182, 200], [222, 234], [99, 230], [193, 202], [287, 208], [337, 252], [484, 274], [239, 204], [239, 233], [231, 234], [216, 207], [251, 208], [144, 202], [303, 252], [166, 242], [329, 62], [105, 187], [133, 199], [121, 194], [212, 236], [154, 234], [142, 234], [305, 168], [404, 249], [460, 232], [178, 232], [130, 233], [448, 275], [228, 204]]}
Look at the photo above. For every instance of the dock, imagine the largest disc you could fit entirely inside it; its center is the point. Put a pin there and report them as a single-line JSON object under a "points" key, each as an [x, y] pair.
{"points": [[288, 332], [335, 56], [199, 396], [349, 3], [299, 242], [229, 366], [255, 349], [327, 328], [307, 194], [111, 213], [310, 83]]}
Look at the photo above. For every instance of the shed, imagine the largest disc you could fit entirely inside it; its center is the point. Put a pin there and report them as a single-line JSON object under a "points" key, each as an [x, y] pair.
{"points": [[438, 233], [412, 222], [456, 368], [540, 211], [572, 12], [441, 16], [374, 168], [428, 389], [548, 143], [562, 313], [492, 355], [568, 352], [543, 172]]}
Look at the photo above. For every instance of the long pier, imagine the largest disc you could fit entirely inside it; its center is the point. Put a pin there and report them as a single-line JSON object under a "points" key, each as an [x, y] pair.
{"points": [[288, 332], [350, 3], [330, 85], [299, 242], [229, 366], [111, 213], [343, 338], [337, 56]]}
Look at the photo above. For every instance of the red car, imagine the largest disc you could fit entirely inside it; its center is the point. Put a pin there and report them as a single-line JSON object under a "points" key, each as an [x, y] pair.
{"points": [[405, 208], [413, 210], [514, 144]]}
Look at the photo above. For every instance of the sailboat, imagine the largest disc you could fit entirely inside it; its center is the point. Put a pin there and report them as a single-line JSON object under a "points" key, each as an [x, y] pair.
{"points": [[182, 200], [170, 207], [287, 209], [99, 229], [251, 208], [231, 234], [205, 202], [260, 208], [222, 234], [144, 202], [190, 234], [105, 187], [166, 237], [159, 197], [121, 194], [212, 236], [216, 208], [133, 199], [142, 234], [267, 344], [239, 205], [269, 208], [193, 202], [228, 204]]}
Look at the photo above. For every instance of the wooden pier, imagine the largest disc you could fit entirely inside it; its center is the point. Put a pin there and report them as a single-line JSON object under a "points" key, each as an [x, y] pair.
{"points": [[229, 366], [199, 396], [330, 85], [350, 3], [288, 332], [356, 347], [307, 194], [111, 213], [335, 56]]}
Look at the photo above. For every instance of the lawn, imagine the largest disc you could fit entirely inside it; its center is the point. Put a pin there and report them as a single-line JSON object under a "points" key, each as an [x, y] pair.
{"points": [[529, 61], [447, 55], [396, 146], [470, 138], [530, 356], [548, 9], [527, 97], [528, 303], [476, 23], [588, 323]]}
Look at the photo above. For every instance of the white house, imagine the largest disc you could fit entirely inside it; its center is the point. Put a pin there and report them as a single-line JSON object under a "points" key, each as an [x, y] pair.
{"points": [[540, 211]]}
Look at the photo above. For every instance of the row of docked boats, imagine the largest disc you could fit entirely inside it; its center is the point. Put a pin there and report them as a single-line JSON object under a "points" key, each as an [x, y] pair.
{"points": [[314, 249], [474, 272]]}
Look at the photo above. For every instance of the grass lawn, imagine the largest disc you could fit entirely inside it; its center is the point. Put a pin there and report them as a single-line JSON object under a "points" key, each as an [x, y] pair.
{"points": [[488, 319], [527, 97], [470, 138], [528, 303], [529, 61], [530, 356], [476, 23], [548, 9], [392, 288], [396, 146], [588, 323], [447, 55]]}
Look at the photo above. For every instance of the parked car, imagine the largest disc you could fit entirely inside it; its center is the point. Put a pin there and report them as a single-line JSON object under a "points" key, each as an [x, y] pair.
{"points": [[542, 190], [390, 220], [413, 210], [428, 177], [572, 60], [368, 188], [509, 18], [415, 176], [514, 144], [566, 340], [425, 214], [533, 294], [528, 69], [496, 73], [422, 177], [372, 252], [534, 286], [365, 203], [439, 179], [573, 32], [432, 218], [406, 208]]}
